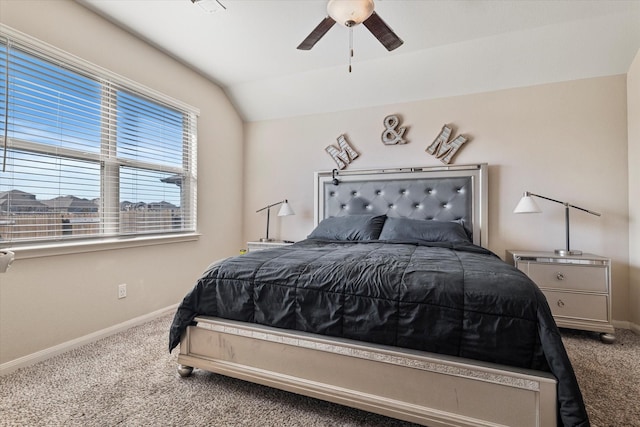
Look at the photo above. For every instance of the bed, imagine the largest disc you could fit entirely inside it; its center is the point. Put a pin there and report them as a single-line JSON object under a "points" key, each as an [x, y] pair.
{"points": [[391, 305]]}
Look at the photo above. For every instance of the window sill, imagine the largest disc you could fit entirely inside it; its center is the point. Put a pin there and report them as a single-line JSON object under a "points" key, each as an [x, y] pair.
{"points": [[69, 248]]}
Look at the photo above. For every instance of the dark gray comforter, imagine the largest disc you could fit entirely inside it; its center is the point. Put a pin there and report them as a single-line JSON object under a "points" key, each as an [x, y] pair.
{"points": [[458, 300]]}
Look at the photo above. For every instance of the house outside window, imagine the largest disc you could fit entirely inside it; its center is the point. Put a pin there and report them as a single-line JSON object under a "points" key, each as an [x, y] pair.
{"points": [[87, 154]]}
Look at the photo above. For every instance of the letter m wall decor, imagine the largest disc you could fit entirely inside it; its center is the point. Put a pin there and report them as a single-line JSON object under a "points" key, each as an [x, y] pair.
{"points": [[342, 155], [442, 148]]}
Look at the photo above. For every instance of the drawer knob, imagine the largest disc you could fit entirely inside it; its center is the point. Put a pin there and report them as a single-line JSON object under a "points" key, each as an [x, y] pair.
{"points": [[559, 276], [560, 303]]}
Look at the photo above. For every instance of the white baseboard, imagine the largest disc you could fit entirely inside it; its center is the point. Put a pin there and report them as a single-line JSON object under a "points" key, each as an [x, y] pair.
{"points": [[39, 356], [623, 324]]}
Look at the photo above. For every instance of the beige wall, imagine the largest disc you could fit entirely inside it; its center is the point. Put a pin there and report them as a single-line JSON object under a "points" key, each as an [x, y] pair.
{"points": [[51, 300], [633, 118], [567, 141]]}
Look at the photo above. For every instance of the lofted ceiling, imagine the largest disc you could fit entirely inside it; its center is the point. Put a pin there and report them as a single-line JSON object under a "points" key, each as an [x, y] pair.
{"points": [[451, 47]]}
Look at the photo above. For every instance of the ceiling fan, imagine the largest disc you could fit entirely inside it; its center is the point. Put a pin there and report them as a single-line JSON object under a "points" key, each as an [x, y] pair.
{"points": [[351, 13], [210, 6]]}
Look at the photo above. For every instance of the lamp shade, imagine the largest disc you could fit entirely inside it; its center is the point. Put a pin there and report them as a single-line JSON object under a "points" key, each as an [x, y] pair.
{"points": [[527, 205], [350, 12], [285, 209]]}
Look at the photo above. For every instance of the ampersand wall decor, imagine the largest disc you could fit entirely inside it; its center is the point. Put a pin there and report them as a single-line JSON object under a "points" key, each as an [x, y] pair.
{"points": [[444, 147], [391, 136]]}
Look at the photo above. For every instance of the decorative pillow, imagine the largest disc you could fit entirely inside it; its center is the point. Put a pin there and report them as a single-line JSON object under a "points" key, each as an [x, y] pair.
{"points": [[466, 229], [351, 227], [406, 229]]}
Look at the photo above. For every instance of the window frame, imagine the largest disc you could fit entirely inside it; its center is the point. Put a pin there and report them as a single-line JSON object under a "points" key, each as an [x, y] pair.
{"points": [[110, 164]]}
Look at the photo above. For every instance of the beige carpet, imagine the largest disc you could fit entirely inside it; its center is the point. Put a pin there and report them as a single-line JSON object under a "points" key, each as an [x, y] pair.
{"points": [[129, 379], [609, 376]]}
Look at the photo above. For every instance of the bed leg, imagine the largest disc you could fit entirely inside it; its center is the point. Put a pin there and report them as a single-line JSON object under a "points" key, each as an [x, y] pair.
{"points": [[184, 371]]}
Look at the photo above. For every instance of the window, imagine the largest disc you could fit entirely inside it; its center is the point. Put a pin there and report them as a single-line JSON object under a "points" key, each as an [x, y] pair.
{"points": [[88, 154]]}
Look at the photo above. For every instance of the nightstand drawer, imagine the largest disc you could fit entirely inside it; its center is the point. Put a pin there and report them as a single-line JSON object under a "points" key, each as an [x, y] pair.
{"points": [[557, 276], [579, 306]]}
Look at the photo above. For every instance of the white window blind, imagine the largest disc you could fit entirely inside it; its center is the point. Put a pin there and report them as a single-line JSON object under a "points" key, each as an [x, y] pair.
{"points": [[88, 154]]}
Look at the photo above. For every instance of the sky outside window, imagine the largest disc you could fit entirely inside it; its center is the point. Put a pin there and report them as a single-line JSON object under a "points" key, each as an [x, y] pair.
{"points": [[62, 112]]}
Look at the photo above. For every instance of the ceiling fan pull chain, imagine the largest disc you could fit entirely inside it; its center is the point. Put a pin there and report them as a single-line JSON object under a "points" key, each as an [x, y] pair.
{"points": [[350, 46]]}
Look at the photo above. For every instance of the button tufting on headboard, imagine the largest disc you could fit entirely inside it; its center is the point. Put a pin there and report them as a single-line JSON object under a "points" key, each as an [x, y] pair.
{"points": [[440, 195], [443, 199]]}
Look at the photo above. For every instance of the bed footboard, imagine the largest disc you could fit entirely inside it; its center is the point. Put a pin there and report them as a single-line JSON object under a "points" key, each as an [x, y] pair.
{"points": [[423, 388]]}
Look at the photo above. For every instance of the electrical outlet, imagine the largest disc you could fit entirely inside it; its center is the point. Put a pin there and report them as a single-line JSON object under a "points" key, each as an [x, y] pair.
{"points": [[122, 290]]}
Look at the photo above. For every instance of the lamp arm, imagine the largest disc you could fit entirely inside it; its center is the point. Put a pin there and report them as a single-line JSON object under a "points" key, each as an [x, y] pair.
{"points": [[272, 205], [528, 193], [584, 210]]}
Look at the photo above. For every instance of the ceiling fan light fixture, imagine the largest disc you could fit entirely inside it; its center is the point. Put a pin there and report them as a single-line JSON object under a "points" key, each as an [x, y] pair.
{"points": [[350, 12]]}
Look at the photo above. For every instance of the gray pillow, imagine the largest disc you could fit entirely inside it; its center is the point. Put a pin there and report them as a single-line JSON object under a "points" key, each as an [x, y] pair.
{"points": [[351, 227], [418, 230]]}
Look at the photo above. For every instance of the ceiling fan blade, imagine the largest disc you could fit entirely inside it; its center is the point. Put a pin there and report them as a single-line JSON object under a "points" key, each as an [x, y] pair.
{"points": [[317, 33], [382, 32]]}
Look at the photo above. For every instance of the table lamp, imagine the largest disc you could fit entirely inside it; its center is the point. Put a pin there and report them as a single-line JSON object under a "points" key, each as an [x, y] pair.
{"points": [[285, 210], [528, 205]]}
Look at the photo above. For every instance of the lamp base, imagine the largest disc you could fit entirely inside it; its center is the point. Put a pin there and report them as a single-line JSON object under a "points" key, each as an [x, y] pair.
{"points": [[565, 252], [266, 239]]}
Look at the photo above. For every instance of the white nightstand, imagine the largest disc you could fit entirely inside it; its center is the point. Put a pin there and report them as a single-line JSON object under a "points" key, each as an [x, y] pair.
{"points": [[258, 246], [578, 288]]}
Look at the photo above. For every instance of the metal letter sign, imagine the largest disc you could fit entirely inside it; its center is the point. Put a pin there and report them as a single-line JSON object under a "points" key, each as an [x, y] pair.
{"points": [[344, 155], [442, 148], [390, 136]]}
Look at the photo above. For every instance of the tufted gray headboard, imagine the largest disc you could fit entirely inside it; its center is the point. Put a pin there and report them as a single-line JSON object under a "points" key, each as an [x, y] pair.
{"points": [[442, 193]]}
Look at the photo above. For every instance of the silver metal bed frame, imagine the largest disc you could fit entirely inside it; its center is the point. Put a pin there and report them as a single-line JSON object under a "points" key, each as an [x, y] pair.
{"points": [[425, 388]]}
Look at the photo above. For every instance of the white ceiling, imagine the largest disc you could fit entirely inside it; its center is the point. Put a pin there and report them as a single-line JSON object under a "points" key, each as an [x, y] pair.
{"points": [[451, 47]]}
